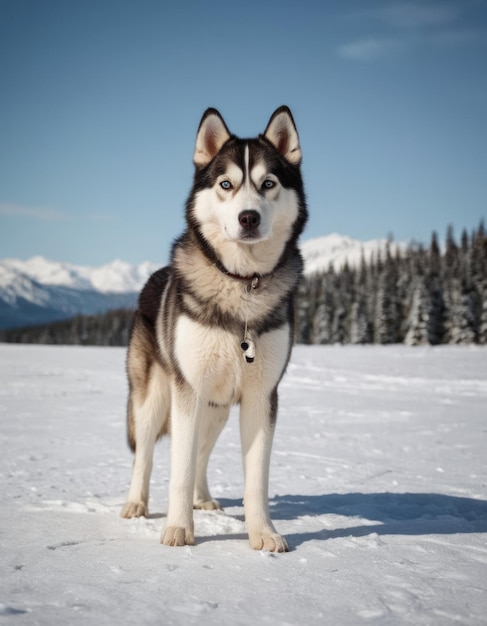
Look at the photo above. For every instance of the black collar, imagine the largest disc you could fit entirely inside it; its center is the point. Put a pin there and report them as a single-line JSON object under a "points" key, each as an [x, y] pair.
{"points": [[252, 280]]}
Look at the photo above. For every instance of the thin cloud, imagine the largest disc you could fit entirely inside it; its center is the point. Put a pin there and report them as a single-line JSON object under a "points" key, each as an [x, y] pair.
{"points": [[409, 15], [411, 24], [366, 49], [48, 215], [415, 15], [458, 37]]}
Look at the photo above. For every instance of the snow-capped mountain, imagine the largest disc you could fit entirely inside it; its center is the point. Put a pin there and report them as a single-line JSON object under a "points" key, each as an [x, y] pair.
{"points": [[39, 290], [335, 250], [115, 277]]}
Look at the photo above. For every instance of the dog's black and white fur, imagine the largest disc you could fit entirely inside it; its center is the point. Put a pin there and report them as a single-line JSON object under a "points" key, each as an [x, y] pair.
{"points": [[215, 327]]}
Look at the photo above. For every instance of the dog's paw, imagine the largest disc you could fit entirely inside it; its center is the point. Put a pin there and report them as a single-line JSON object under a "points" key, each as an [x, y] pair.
{"points": [[134, 509], [271, 542], [176, 536], [208, 505]]}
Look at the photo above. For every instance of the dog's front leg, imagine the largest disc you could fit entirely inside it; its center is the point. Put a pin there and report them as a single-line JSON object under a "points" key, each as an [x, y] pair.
{"points": [[257, 418], [185, 412]]}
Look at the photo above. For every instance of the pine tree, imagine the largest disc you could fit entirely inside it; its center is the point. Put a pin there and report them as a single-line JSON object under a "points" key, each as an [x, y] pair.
{"points": [[343, 292], [479, 280], [460, 297], [409, 264], [436, 304], [387, 312], [361, 329], [417, 320], [373, 275], [451, 282], [303, 309], [321, 325]]}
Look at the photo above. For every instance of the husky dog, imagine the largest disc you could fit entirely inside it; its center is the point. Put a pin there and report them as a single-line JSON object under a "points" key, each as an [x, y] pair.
{"points": [[215, 327]]}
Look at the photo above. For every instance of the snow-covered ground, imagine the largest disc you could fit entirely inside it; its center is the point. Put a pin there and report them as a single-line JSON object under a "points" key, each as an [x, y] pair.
{"points": [[378, 480]]}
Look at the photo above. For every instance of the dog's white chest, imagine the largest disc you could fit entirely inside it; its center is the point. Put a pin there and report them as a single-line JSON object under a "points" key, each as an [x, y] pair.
{"points": [[213, 362], [210, 359]]}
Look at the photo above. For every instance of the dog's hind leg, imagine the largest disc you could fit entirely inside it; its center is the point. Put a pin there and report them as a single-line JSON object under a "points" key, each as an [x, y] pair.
{"points": [[147, 422], [211, 424]]}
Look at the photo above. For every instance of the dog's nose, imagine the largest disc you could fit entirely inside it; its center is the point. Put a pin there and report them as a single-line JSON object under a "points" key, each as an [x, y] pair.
{"points": [[249, 219]]}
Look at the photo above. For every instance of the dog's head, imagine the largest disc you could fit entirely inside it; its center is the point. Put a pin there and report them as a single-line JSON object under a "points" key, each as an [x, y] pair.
{"points": [[247, 193]]}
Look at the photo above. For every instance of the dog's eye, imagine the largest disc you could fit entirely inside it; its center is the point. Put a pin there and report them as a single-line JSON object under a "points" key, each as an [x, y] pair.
{"points": [[226, 184], [268, 184]]}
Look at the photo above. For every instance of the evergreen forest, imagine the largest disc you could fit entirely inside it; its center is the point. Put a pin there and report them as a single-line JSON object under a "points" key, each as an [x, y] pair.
{"points": [[420, 296]]}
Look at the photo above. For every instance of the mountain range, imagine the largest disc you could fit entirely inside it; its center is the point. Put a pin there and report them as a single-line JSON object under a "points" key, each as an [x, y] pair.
{"points": [[39, 291]]}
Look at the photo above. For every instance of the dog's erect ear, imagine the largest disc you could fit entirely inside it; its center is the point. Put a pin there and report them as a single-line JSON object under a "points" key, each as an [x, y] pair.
{"points": [[212, 134], [281, 132]]}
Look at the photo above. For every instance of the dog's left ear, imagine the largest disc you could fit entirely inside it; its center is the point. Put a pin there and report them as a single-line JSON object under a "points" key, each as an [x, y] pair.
{"points": [[281, 132], [212, 134]]}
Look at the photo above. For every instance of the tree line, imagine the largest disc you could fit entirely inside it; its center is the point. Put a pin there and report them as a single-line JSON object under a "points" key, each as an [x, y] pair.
{"points": [[107, 329], [420, 296]]}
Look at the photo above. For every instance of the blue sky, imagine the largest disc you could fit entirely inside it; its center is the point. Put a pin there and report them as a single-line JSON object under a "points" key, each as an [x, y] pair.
{"points": [[100, 102]]}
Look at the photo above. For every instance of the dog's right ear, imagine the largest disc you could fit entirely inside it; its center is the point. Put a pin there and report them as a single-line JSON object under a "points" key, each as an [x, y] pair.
{"points": [[212, 134]]}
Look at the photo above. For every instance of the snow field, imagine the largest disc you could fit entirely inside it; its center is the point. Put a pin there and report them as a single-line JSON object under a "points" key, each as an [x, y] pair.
{"points": [[378, 481]]}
